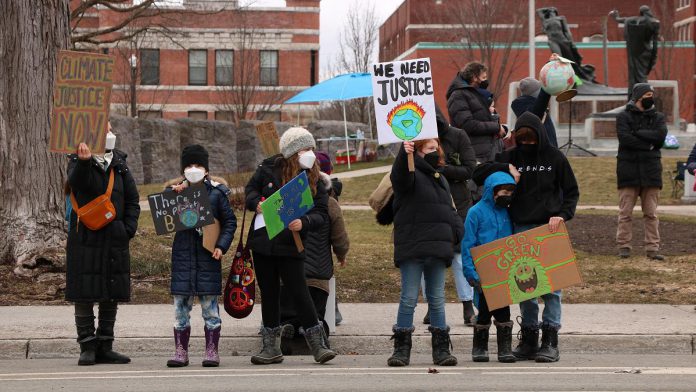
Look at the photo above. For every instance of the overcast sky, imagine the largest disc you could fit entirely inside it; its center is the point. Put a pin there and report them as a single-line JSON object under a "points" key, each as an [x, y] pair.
{"points": [[332, 12]]}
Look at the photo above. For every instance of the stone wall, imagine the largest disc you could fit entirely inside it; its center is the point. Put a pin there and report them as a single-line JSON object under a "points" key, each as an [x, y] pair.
{"points": [[154, 146]]}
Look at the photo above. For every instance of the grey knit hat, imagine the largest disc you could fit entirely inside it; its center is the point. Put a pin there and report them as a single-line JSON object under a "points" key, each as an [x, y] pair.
{"points": [[530, 86], [294, 140], [640, 89]]}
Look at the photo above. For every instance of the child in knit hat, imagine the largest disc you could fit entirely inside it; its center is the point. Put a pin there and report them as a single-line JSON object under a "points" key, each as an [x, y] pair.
{"points": [[279, 258], [196, 272]]}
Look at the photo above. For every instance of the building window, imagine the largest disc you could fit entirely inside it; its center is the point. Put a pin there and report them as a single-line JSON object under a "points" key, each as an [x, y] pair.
{"points": [[198, 67], [149, 66], [268, 116], [224, 115], [198, 115], [269, 68], [150, 114], [684, 3], [224, 60]]}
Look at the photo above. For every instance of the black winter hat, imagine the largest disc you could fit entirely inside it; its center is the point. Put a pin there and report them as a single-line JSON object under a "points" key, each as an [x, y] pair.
{"points": [[194, 153], [639, 89], [529, 120]]}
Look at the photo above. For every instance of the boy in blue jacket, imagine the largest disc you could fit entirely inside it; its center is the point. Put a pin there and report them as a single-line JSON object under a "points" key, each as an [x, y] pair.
{"points": [[487, 221]]}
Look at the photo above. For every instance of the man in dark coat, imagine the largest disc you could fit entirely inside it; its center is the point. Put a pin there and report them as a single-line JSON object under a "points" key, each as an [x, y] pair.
{"points": [[641, 131], [470, 110], [531, 90], [98, 261]]}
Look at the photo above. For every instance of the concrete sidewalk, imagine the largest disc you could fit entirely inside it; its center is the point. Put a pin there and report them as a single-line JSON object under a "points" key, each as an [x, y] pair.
{"points": [[146, 330]]}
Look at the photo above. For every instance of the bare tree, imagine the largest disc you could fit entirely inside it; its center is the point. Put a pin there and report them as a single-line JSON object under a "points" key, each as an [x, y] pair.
{"points": [[31, 178]]}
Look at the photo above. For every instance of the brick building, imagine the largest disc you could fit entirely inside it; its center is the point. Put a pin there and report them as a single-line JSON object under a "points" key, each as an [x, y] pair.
{"points": [[210, 59], [434, 28]]}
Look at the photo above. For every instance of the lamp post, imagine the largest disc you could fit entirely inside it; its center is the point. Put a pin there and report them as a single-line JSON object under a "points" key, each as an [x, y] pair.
{"points": [[134, 69]]}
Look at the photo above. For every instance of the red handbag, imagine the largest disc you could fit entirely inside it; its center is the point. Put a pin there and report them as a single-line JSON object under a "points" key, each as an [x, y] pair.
{"points": [[240, 289]]}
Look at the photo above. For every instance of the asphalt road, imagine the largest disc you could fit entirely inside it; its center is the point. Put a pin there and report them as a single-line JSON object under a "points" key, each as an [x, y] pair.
{"points": [[358, 373]]}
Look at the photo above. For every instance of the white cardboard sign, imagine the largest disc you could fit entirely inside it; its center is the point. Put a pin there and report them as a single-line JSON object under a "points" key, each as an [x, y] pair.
{"points": [[404, 101]]}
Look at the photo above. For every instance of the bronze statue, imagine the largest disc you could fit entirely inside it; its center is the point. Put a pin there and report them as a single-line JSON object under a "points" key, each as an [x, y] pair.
{"points": [[641, 34], [560, 41]]}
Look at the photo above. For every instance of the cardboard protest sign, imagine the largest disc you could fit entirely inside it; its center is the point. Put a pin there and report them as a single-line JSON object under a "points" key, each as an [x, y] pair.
{"points": [[404, 101], [188, 209], [268, 137], [81, 101], [291, 202], [525, 266]]}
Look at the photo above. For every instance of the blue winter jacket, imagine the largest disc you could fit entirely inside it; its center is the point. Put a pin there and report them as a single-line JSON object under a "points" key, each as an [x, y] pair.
{"points": [[194, 270], [486, 222]]}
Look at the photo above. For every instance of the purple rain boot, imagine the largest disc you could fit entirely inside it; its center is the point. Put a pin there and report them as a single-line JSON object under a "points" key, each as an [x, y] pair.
{"points": [[181, 340], [212, 338]]}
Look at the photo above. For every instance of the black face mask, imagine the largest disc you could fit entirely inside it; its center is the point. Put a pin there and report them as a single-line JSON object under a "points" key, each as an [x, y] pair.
{"points": [[432, 158], [527, 148], [484, 84], [648, 103], [503, 201]]}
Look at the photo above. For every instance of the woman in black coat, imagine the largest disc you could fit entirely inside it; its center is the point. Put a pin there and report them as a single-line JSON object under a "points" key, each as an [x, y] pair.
{"points": [[98, 261], [279, 258], [426, 226]]}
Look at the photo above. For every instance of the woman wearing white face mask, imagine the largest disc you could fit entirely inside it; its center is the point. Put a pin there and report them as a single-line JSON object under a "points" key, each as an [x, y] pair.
{"points": [[195, 271], [278, 258]]}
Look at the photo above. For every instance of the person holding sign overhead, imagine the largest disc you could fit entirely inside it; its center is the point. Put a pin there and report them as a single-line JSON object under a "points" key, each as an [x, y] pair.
{"points": [[426, 227], [196, 271], [104, 218], [280, 258]]}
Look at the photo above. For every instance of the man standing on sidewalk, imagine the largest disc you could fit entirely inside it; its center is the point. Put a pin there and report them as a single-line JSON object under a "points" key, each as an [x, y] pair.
{"points": [[641, 131]]}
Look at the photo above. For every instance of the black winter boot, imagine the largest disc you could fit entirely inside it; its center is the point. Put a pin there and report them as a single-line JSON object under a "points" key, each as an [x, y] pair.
{"points": [[479, 352], [441, 347], [270, 352], [88, 353], [549, 345], [469, 313], [84, 322], [528, 343], [504, 336], [316, 340], [105, 335], [402, 346]]}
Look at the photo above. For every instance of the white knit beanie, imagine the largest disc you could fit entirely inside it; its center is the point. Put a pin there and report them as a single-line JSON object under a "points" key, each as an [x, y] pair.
{"points": [[294, 140]]}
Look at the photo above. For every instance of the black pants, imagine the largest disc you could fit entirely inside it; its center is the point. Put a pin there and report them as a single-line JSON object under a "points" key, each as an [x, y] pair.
{"points": [[269, 271], [84, 321], [288, 313], [501, 315]]}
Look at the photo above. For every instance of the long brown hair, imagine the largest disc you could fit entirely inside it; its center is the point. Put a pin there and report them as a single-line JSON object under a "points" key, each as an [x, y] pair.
{"points": [[291, 168], [418, 144]]}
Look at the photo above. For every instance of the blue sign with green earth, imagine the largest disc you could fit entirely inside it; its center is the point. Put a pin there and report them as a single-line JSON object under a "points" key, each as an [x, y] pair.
{"points": [[291, 202]]}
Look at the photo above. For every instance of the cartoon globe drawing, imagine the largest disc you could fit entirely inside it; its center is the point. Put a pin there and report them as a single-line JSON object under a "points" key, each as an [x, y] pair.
{"points": [[406, 121], [556, 77]]}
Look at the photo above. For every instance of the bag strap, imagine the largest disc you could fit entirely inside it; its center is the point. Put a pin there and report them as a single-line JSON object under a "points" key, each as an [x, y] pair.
{"points": [[241, 235], [109, 189]]}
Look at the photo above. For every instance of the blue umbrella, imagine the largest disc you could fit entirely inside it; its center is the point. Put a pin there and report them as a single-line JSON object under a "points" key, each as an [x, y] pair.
{"points": [[339, 88]]}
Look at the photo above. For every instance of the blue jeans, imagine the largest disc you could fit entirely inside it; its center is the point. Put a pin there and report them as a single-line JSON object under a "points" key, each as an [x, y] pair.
{"points": [[209, 308], [464, 291], [434, 273], [552, 302]]}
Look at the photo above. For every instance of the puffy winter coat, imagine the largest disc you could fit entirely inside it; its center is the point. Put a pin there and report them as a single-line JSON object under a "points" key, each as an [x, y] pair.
{"points": [[486, 222], [641, 135], [426, 225], [266, 181], [469, 110], [194, 270], [98, 262]]}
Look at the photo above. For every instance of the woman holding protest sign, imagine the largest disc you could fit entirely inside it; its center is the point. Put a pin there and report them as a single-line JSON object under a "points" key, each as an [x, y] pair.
{"points": [[280, 258], [426, 226], [104, 218]]}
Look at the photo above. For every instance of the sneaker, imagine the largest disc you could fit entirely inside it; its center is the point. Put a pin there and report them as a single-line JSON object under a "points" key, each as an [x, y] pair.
{"points": [[624, 253], [654, 255]]}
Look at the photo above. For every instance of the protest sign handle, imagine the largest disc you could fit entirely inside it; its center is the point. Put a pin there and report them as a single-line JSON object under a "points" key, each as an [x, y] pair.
{"points": [[298, 241], [411, 163]]}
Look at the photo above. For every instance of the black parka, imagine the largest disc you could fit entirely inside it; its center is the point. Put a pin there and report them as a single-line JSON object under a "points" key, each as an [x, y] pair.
{"points": [[426, 224], [641, 135], [98, 262]]}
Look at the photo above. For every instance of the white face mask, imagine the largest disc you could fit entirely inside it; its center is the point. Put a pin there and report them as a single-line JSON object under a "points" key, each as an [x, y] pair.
{"points": [[307, 159], [194, 175], [110, 141]]}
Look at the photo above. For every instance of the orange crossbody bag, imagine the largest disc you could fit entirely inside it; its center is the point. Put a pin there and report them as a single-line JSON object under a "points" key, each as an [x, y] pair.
{"points": [[98, 212]]}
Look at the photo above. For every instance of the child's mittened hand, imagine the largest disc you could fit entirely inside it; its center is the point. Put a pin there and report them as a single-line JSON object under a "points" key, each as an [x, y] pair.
{"points": [[295, 225], [217, 254]]}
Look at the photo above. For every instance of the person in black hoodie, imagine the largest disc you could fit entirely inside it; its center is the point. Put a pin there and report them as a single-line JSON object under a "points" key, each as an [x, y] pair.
{"points": [[641, 131], [279, 258], [470, 110], [426, 227], [546, 193]]}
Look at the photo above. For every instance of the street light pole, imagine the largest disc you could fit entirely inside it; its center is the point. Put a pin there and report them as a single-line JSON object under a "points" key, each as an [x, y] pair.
{"points": [[134, 69]]}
